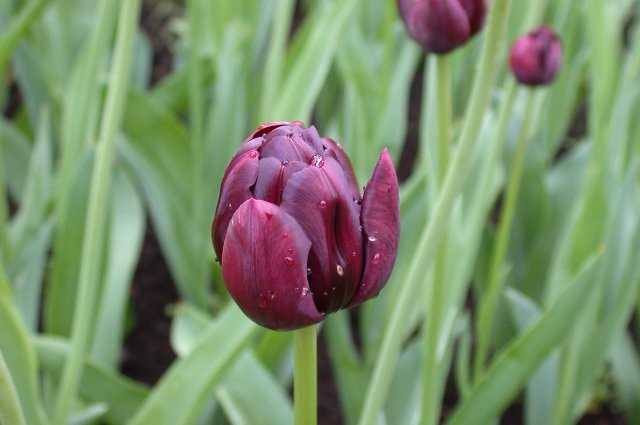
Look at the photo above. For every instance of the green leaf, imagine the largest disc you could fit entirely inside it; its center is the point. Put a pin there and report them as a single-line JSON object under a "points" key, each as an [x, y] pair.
{"points": [[10, 409], [179, 397], [126, 230], [21, 360], [311, 62], [516, 363], [248, 394], [122, 396]]}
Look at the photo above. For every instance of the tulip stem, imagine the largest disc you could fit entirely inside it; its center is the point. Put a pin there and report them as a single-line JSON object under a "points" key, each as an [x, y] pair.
{"points": [[432, 234], [489, 300], [305, 378], [434, 307]]}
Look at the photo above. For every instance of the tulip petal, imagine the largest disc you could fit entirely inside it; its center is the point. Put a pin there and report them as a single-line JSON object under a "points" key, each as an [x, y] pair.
{"points": [[264, 129], [333, 149], [287, 144], [236, 186], [272, 178], [381, 223], [264, 265], [330, 219]]}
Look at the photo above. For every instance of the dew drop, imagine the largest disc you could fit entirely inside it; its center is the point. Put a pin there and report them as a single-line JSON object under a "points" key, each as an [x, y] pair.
{"points": [[253, 154], [372, 239], [317, 161], [339, 270], [333, 289], [323, 204], [305, 292], [269, 216], [325, 293], [285, 235], [272, 296], [229, 205], [308, 271], [376, 258], [289, 261]]}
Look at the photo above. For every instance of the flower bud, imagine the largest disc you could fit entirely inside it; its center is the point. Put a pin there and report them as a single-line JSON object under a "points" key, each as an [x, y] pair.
{"points": [[536, 57], [441, 26], [295, 237]]}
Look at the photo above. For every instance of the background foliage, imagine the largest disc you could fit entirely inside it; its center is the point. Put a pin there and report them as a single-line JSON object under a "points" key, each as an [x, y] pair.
{"points": [[98, 150]]}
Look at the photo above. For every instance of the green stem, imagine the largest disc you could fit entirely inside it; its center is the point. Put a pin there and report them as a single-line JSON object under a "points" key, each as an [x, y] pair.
{"points": [[18, 28], [10, 409], [305, 385], [432, 234], [97, 210], [435, 305], [197, 292], [489, 301]]}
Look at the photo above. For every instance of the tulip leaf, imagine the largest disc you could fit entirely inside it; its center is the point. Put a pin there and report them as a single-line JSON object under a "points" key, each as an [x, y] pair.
{"points": [[21, 360], [312, 61], [126, 230], [180, 396], [515, 364], [10, 409], [122, 396], [248, 393]]}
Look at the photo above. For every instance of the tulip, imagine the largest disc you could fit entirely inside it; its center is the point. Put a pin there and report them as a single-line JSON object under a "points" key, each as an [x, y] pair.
{"points": [[441, 26], [536, 57], [296, 239]]}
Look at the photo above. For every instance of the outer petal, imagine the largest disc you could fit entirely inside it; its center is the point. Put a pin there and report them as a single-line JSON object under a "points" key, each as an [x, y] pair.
{"points": [[264, 264], [267, 128], [329, 218], [235, 189], [332, 148], [381, 223]]}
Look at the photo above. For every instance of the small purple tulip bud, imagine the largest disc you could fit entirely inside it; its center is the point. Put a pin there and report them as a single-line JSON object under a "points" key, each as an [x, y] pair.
{"points": [[441, 26], [295, 238], [536, 57]]}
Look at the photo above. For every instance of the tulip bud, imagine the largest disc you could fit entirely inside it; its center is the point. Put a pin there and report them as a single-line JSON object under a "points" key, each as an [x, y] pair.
{"points": [[536, 57], [295, 237], [441, 26]]}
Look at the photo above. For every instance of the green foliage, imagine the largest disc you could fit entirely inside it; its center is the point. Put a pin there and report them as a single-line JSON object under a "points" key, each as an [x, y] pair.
{"points": [[93, 148]]}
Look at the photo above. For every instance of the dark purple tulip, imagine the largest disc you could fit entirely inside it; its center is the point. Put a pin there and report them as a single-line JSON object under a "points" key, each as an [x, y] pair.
{"points": [[441, 26], [296, 239], [536, 57]]}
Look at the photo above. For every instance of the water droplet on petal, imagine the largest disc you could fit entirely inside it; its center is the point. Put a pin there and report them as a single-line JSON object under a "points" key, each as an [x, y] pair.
{"points": [[333, 289], [272, 296], [285, 235], [325, 293], [317, 161], [253, 154], [323, 204], [339, 270], [289, 261], [372, 239], [229, 205], [308, 271], [376, 258], [269, 216], [305, 292], [354, 254]]}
